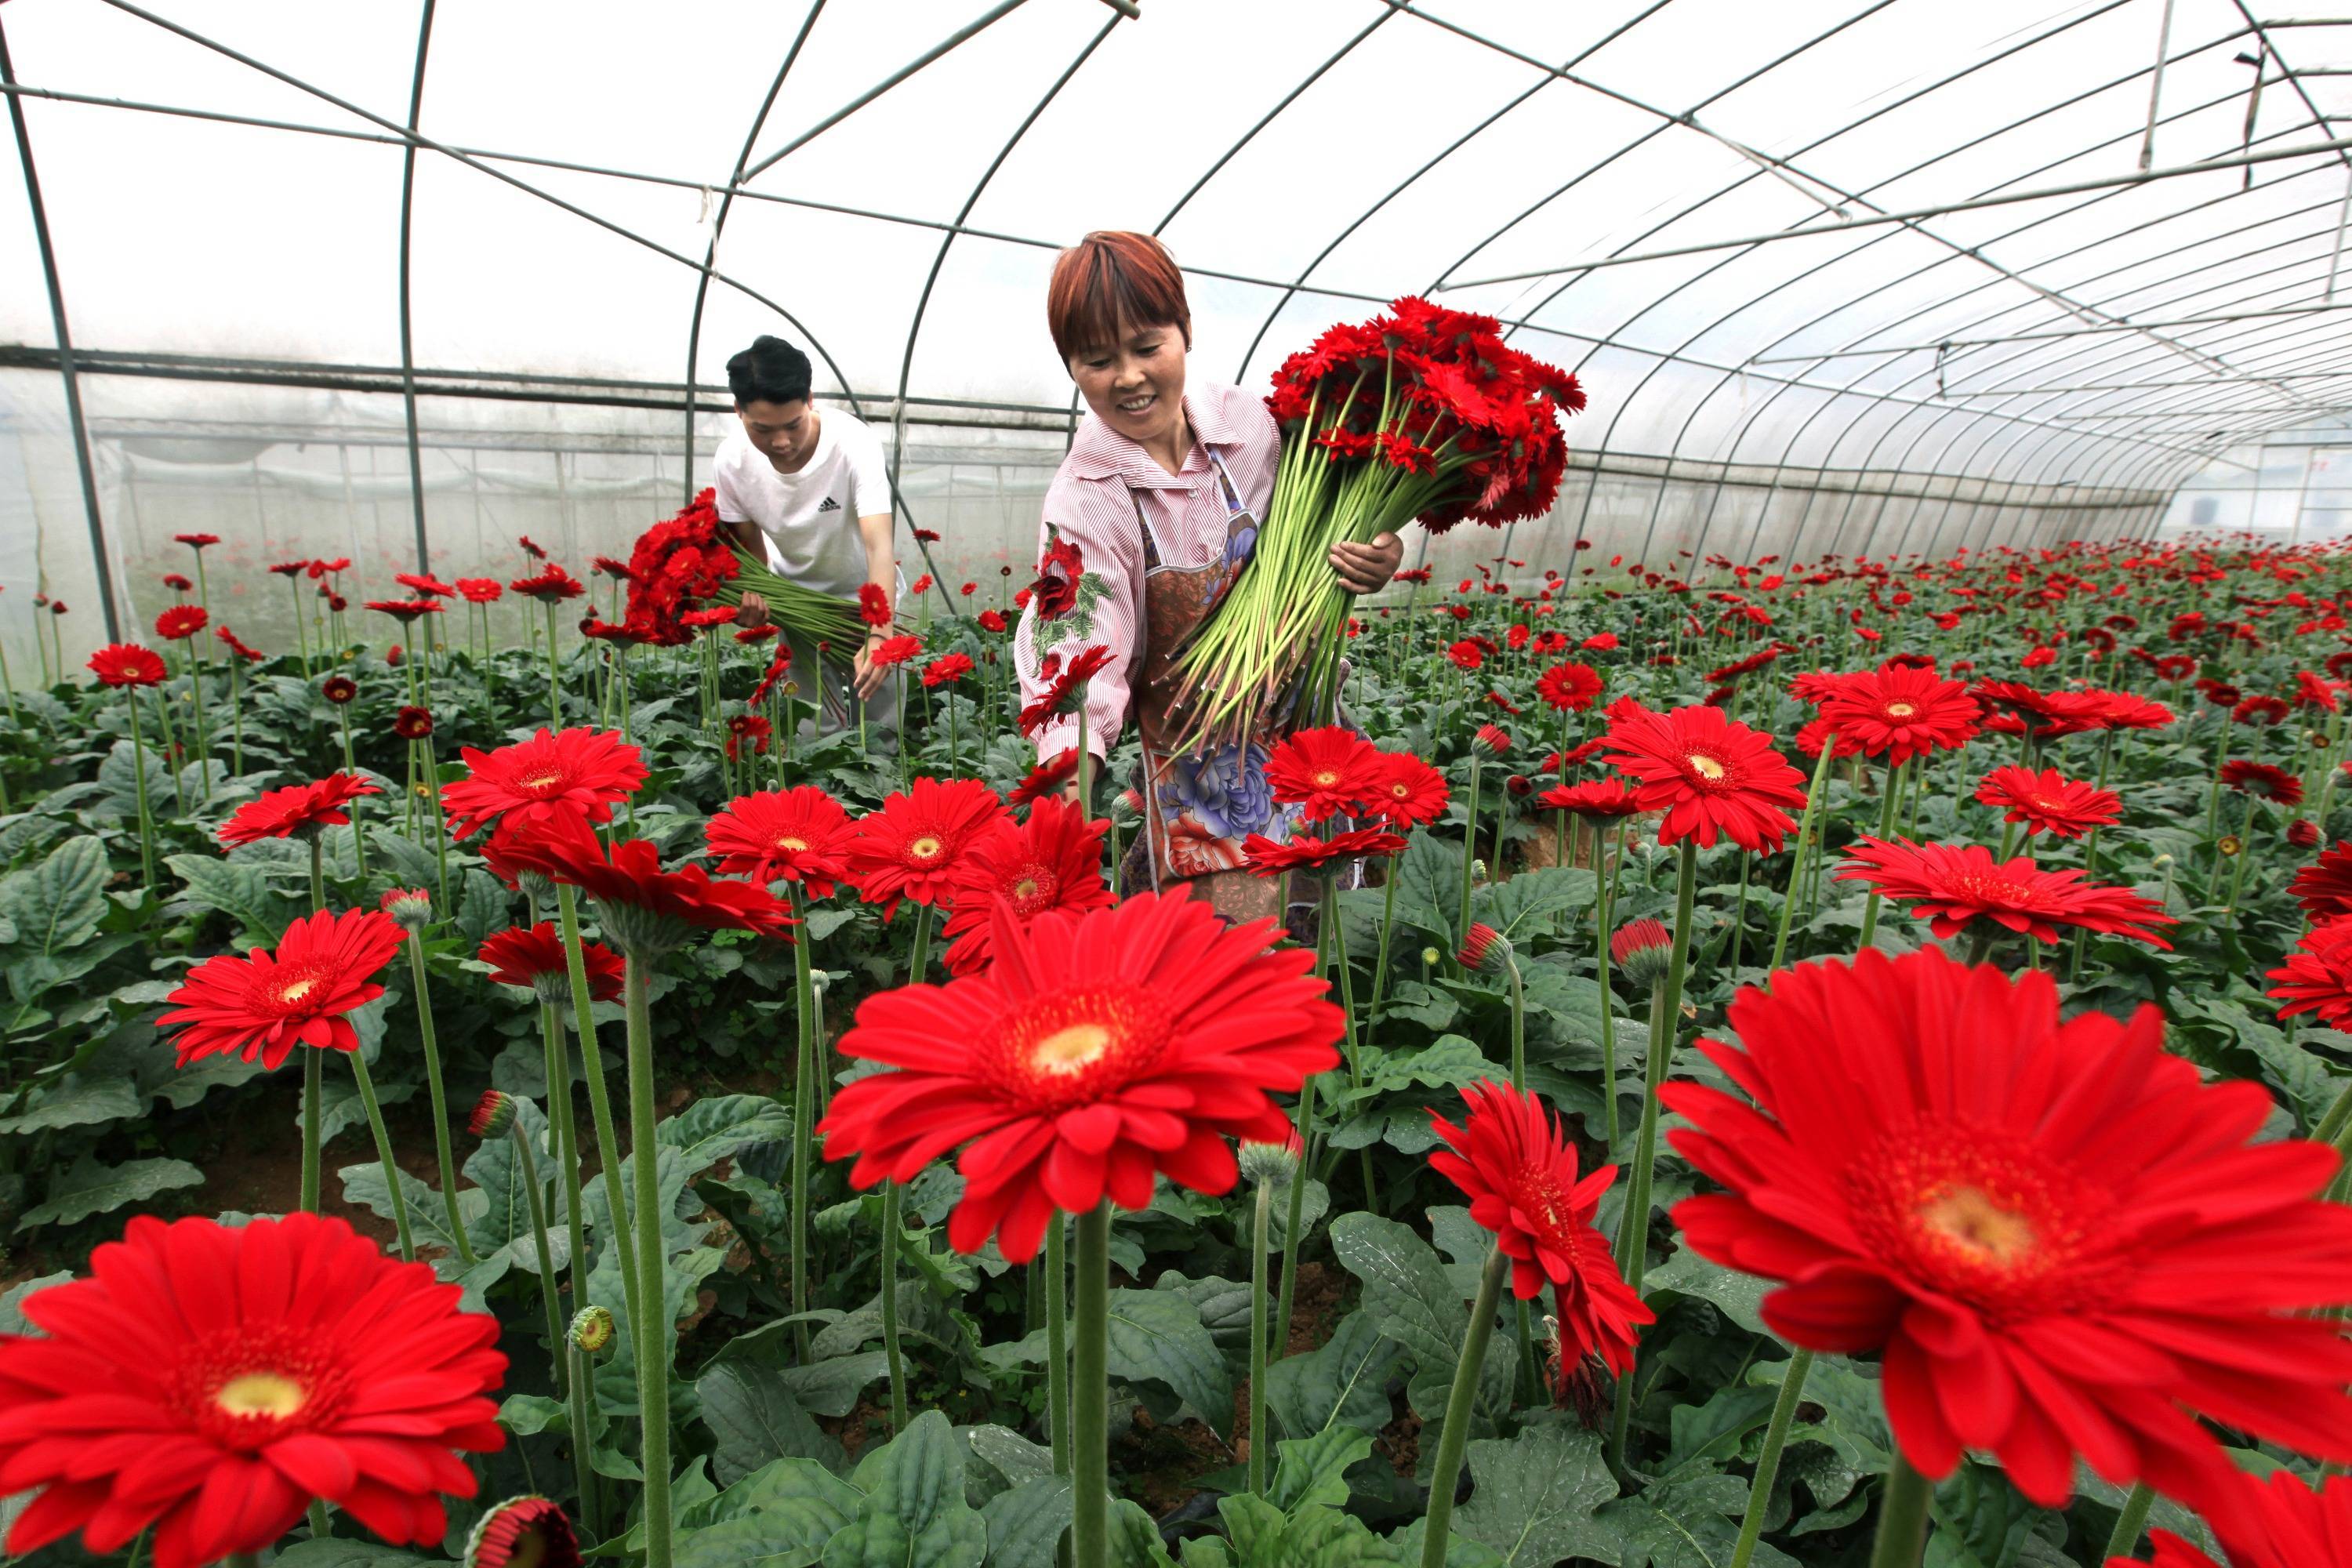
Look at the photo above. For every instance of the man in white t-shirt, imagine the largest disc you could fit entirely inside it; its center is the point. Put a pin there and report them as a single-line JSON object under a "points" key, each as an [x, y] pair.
{"points": [[810, 488]]}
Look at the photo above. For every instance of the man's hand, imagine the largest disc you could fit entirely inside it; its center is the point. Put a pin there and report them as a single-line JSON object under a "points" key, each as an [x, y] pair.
{"points": [[1367, 568], [869, 675], [752, 611]]}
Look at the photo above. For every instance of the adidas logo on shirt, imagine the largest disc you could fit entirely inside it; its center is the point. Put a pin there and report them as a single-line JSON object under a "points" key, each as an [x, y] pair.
{"points": [[828, 504]]}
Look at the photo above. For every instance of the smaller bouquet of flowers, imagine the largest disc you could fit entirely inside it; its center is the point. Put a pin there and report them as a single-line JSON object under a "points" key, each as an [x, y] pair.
{"points": [[689, 559], [1422, 413]]}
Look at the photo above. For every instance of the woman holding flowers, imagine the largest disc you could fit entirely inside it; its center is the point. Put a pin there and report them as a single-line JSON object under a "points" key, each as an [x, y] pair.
{"points": [[1148, 523]]}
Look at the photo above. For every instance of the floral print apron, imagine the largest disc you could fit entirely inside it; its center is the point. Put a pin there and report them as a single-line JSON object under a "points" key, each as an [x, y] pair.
{"points": [[1198, 809]]}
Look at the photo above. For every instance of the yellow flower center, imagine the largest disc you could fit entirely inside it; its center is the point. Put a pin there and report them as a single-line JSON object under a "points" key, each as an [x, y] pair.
{"points": [[926, 849], [1973, 1221], [530, 1550], [266, 1394], [1326, 778], [1900, 710], [1707, 767], [1070, 1050], [785, 841], [540, 784], [292, 993]]}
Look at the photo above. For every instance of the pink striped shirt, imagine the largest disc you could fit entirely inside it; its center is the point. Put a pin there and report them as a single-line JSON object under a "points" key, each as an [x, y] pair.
{"points": [[1093, 501]]}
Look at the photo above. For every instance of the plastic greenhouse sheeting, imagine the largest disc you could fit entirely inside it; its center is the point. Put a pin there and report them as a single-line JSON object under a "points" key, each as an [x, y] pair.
{"points": [[1894, 277]]}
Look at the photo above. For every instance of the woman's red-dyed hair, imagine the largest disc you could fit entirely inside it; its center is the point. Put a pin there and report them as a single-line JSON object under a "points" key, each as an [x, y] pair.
{"points": [[1114, 279]]}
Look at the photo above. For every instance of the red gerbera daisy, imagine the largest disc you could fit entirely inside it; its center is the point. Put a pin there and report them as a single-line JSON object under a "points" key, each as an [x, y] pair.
{"points": [[645, 911], [1569, 686], [524, 1531], [260, 1006], [1596, 800], [909, 848], [1047, 778], [295, 809], [580, 773], [891, 652], [873, 605], [2048, 802], [553, 585], [2049, 714], [480, 590], [1052, 861], [2274, 785], [181, 622], [531, 958], [210, 1381], [1519, 1170], [338, 688], [127, 663], [426, 583], [2317, 976], [947, 670], [1065, 686], [1098, 1050], [2062, 1242], [2259, 710], [798, 835], [1711, 776], [1325, 771], [1303, 853], [2323, 888], [1403, 791], [2129, 711], [406, 610], [1900, 713], [197, 541], [1952, 884], [750, 730], [412, 722]]}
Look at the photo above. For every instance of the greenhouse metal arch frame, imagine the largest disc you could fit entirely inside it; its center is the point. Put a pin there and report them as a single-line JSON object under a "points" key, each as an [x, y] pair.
{"points": [[1998, 376]]}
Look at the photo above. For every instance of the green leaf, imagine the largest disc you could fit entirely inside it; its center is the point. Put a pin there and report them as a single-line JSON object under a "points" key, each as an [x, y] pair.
{"points": [[1526, 903], [58, 903], [334, 1554], [1342, 1383], [1158, 1336], [1686, 1523], [428, 1220], [749, 1540], [12, 1306], [1406, 1293], [1738, 1296], [1012, 1456], [1135, 1539], [482, 907], [915, 1515], [1314, 1469], [1534, 1497], [1223, 1304], [77, 1101], [709, 1131], [798, 1490], [882, 1541], [118, 775], [527, 1414], [751, 1410], [87, 1188], [832, 1387], [200, 1077], [503, 1223], [1026, 1523], [237, 890]]}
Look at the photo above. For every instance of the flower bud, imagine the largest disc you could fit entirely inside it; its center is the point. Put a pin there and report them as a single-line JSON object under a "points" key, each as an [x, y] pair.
{"points": [[1642, 948], [523, 1532], [2229, 845], [2303, 833], [494, 1113], [592, 1328], [411, 909], [1273, 1165], [1490, 741], [2161, 861], [1484, 951], [1429, 957], [1478, 870]]}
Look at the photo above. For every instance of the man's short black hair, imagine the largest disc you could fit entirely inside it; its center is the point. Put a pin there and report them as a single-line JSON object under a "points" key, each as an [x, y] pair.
{"points": [[769, 370]]}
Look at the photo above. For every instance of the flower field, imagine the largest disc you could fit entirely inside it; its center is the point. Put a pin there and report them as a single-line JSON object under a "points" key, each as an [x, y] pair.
{"points": [[1828, 1063]]}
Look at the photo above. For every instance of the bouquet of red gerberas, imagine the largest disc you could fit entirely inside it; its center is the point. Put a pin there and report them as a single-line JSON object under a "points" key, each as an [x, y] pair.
{"points": [[689, 559], [1422, 413]]}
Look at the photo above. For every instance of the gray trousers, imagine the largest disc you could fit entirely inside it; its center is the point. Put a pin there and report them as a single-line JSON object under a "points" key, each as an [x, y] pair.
{"points": [[839, 708]]}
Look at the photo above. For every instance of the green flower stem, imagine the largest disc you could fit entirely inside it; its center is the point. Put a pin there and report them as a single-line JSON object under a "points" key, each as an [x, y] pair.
{"points": [[314, 1071], [1469, 847], [1057, 1343], [2337, 1116], [440, 1098], [1294, 1218], [1380, 962], [1738, 920], [2129, 1523], [893, 1199], [2213, 792], [565, 1126], [301, 632], [1089, 1394], [1767, 1463], [1902, 1517], [803, 1104], [1332, 940], [236, 713], [1892, 785], [538, 1201], [1259, 1445], [1604, 883], [384, 1154], [1804, 844], [1633, 1229], [2245, 859], [139, 787], [654, 1334], [554, 676], [1455, 1435], [600, 1104], [196, 673]]}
